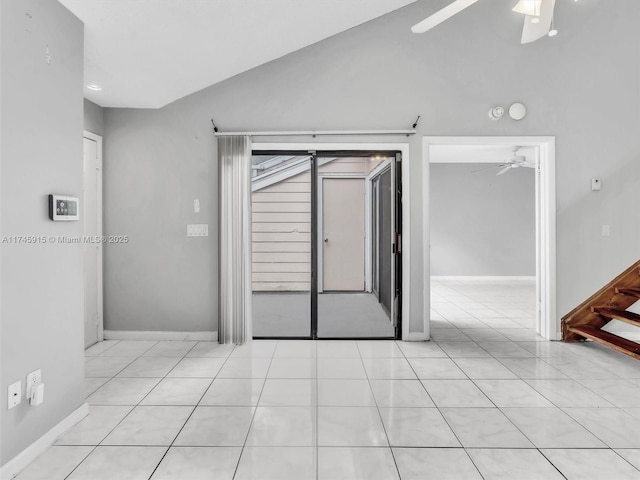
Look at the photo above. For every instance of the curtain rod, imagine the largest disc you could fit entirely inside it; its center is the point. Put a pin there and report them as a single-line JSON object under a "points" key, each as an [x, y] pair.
{"points": [[320, 132]]}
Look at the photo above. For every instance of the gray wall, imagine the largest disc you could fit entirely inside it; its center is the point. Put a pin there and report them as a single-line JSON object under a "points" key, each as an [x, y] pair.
{"points": [[482, 224], [160, 280], [93, 117], [580, 86], [41, 153]]}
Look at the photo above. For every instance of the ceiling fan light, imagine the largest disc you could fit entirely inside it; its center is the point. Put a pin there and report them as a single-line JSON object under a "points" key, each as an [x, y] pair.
{"points": [[528, 7]]}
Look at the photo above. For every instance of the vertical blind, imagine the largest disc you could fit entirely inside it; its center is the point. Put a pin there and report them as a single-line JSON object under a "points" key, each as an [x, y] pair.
{"points": [[234, 283]]}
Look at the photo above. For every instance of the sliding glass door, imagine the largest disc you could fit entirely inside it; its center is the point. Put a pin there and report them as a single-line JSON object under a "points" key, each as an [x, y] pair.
{"points": [[281, 194], [349, 250], [325, 245]]}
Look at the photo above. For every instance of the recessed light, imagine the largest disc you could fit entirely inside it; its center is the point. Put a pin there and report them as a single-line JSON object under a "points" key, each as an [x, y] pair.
{"points": [[535, 20], [553, 33], [93, 86]]}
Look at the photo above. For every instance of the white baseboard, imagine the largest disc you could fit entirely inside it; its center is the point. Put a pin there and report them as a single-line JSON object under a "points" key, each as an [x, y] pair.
{"points": [[416, 337], [18, 463], [504, 278], [151, 335]]}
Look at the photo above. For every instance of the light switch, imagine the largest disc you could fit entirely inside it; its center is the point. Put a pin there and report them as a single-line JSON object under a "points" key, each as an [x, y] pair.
{"points": [[196, 206], [198, 230], [606, 231]]}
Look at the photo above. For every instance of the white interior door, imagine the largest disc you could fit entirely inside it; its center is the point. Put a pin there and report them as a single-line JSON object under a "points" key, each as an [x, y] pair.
{"points": [[343, 234], [92, 208]]}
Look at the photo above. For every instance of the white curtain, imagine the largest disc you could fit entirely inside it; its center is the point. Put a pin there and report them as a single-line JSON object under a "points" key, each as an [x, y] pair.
{"points": [[234, 283]]}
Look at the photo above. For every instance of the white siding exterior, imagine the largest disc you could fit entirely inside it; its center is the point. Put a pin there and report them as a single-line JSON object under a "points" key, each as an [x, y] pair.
{"points": [[281, 226]]}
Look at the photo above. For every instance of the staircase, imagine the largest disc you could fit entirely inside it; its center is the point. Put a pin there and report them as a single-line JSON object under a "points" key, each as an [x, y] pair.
{"points": [[609, 303]]}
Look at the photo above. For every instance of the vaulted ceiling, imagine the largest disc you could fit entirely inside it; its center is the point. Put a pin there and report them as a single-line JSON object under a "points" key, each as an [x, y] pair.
{"points": [[148, 53]]}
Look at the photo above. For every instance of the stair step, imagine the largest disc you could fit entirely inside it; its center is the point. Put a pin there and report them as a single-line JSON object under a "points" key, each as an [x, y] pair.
{"points": [[622, 315], [631, 292], [610, 340]]}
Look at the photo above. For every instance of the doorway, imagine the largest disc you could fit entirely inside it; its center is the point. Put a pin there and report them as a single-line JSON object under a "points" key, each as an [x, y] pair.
{"points": [[91, 209], [314, 243], [343, 258], [542, 290]]}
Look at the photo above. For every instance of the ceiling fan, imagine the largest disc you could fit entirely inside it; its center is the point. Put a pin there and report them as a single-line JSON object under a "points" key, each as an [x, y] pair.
{"points": [[538, 17], [516, 161]]}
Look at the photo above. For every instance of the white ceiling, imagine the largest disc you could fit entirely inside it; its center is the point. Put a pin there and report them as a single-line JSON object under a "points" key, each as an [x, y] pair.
{"points": [[479, 153], [148, 53]]}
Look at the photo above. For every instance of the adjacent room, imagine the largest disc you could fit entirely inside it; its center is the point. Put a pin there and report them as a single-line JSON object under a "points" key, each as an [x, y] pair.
{"points": [[483, 243], [323, 240]]}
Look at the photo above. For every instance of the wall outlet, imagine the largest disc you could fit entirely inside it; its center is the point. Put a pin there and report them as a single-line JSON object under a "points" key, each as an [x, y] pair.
{"points": [[33, 380], [14, 394]]}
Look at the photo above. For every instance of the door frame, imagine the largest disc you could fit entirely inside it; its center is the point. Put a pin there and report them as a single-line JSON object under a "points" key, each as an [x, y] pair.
{"points": [[403, 148], [374, 237], [370, 214], [548, 324], [100, 280]]}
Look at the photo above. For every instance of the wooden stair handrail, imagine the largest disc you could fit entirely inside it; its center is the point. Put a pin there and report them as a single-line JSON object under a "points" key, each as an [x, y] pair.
{"points": [[607, 297]]}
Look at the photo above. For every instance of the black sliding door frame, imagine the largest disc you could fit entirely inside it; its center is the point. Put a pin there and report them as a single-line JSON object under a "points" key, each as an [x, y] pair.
{"points": [[314, 156], [314, 245]]}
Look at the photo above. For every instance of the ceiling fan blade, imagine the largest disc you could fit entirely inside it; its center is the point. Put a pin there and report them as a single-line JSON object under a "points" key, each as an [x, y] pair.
{"points": [[486, 168], [535, 31], [504, 170], [441, 15]]}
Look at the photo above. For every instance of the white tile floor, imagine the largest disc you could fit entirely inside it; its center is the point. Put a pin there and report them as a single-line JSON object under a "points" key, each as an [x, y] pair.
{"points": [[487, 399]]}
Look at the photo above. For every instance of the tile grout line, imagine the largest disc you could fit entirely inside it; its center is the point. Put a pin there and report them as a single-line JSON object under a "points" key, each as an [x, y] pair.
{"points": [[540, 393], [474, 383], [95, 447], [438, 408], [194, 407], [504, 414], [255, 411], [384, 428], [122, 369], [133, 407], [317, 410]]}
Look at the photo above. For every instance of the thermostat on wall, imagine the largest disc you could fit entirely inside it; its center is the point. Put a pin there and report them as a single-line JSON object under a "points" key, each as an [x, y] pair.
{"points": [[63, 208]]}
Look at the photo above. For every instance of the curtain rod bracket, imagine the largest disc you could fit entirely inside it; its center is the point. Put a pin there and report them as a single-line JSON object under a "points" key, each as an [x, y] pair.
{"points": [[215, 129]]}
